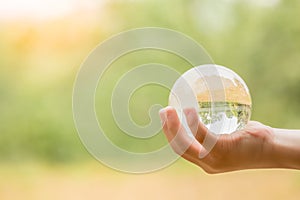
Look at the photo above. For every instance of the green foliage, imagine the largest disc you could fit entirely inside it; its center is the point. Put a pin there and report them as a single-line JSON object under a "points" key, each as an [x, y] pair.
{"points": [[38, 64]]}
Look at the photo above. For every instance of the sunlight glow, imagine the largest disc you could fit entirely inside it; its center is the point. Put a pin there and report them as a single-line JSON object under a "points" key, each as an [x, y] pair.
{"points": [[43, 9]]}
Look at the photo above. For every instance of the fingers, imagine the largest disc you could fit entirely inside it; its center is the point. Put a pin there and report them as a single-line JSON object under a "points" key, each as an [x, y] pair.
{"points": [[198, 129], [187, 147], [178, 138], [201, 133], [170, 122]]}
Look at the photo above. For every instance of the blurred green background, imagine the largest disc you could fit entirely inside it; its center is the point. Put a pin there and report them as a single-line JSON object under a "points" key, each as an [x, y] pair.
{"points": [[41, 52]]}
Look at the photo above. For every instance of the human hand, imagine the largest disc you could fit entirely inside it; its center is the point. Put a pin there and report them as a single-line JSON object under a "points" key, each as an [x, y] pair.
{"points": [[249, 148]]}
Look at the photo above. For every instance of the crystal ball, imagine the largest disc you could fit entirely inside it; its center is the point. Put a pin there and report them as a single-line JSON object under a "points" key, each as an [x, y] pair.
{"points": [[219, 95]]}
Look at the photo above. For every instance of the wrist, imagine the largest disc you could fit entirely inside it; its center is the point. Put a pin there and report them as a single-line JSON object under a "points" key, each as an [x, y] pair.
{"points": [[285, 148], [269, 147]]}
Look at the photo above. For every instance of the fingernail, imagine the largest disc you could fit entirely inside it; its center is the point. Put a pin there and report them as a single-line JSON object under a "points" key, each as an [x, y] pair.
{"points": [[188, 114], [163, 117]]}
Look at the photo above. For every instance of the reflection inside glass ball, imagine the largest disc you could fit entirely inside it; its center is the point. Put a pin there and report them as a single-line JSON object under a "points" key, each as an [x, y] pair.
{"points": [[219, 95]]}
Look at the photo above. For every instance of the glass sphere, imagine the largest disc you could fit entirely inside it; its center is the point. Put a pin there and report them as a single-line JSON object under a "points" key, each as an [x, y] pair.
{"points": [[220, 96]]}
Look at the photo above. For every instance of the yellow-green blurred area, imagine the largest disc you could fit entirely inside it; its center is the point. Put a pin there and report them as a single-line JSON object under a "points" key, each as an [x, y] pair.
{"points": [[42, 45]]}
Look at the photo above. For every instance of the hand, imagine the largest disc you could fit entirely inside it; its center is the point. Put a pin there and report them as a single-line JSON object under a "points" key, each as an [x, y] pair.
{"points": [[249, 148]]}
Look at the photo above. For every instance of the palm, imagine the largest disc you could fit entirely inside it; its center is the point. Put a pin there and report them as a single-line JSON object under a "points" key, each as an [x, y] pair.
{"points": [[242, 147]]}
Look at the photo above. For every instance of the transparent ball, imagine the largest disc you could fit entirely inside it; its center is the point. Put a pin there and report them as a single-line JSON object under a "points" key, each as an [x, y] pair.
{"points": [[218, 94]]}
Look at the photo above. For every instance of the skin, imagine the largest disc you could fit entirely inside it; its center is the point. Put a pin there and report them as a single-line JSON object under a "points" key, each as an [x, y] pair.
{"points": [[256, 146]]}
